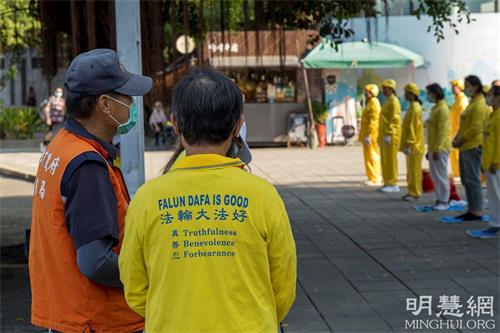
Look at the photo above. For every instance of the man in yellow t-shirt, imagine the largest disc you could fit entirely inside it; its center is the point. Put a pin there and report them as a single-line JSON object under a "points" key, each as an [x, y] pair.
{"points": [[469, 140], [490, 164], [439, 146], [208, 246]]}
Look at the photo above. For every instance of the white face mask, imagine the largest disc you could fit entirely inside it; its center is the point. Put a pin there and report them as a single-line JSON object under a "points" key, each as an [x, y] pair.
{"points": [[469, 91]]}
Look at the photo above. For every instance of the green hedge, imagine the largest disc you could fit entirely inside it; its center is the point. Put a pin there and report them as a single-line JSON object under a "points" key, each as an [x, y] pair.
{"points": [[19, 123]]}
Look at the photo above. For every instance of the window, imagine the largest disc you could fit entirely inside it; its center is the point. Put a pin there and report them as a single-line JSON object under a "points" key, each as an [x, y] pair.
{"points": [[483, 6], [400, 7]]}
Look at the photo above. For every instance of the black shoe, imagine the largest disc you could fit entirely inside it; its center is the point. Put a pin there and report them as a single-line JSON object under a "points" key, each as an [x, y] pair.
{"points": [[461, 217], [470, 217]]}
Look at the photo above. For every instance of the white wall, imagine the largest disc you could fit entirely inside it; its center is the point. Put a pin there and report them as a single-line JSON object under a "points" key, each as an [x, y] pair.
{"points": [[475, 50]]}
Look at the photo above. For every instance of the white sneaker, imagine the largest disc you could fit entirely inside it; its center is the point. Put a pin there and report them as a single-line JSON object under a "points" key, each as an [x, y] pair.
{"points": [[409, 198], [390, 189], [370, 183], [440, 207]]}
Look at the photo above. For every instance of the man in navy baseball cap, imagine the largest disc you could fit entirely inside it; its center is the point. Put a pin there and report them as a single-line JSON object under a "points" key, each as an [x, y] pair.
{"points": [[80, 202], [99, 71], [96, 81]]}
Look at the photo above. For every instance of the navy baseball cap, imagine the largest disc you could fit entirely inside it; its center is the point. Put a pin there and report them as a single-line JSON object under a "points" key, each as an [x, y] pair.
{"points": [[99, 71]]}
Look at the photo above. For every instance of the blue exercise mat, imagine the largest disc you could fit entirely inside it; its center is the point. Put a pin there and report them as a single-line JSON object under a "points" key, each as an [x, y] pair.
{"points": [[453, 219], [483, 234], [427, 208]]}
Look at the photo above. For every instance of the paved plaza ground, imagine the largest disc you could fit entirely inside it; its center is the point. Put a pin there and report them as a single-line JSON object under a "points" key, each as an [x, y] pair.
{"points": [[361, 253]]}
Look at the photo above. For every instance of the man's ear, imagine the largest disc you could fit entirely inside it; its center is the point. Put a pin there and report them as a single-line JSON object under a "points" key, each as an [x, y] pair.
{"points": [[103, 104], [239, 124], [175, 124]]}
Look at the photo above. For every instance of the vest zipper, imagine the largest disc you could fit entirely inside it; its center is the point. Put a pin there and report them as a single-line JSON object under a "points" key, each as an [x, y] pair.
{"points": [[91, 328]]}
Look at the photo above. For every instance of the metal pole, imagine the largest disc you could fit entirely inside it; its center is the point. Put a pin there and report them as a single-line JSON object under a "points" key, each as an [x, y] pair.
{"points": [[128, 45], [310, 125]]}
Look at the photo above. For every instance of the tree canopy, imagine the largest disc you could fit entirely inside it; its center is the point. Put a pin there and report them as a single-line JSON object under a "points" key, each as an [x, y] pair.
{"points": [[19, 29], [329, 17]]}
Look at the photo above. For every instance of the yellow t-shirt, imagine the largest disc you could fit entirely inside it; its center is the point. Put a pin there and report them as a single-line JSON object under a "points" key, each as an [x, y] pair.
{"points": [[369, 120], [438, 128], [491, 142], [472, 123], [390, 120], [412, 134], [208, 248]]}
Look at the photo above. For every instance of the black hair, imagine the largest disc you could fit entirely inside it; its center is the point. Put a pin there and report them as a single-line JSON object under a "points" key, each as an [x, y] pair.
{"points": [[416, 98], [495, 90], [81, 107], [173, 158], [474, 81], [207, 105], [436, 89]]}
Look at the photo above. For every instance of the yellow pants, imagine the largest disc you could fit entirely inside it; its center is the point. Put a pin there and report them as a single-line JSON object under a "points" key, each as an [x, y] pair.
{"points": [[455, 168], [414, 174], [389, 161], [371, 152]]}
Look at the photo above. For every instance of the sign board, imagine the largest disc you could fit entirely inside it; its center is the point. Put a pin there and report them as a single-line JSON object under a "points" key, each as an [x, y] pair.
{"points": [[297, 128]]}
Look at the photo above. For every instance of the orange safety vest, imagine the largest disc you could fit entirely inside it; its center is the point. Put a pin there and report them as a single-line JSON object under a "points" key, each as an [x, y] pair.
{"points": [[64, 299]]}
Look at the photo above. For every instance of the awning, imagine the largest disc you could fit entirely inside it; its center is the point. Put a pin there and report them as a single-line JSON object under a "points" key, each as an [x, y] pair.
{"points": [[361, 55], [253, 61]]}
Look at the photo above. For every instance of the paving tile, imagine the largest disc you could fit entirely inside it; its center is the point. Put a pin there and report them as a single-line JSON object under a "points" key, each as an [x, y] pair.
{"points": [[360, 253]]}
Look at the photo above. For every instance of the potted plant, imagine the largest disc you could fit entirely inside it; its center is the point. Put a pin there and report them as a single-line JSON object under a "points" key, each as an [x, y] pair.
{"points": [[320, 114]]}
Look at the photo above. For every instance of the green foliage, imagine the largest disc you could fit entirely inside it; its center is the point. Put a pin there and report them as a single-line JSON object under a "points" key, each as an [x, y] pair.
{"points": [[19, 123], [232, 11], [19, 25], [320, 112], [330, 17], [441, 13], [19, 29]]}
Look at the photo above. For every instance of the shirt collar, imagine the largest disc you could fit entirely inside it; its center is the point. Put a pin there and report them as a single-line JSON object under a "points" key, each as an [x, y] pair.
{"points": [[478, 98], [443, 101], [76, 128], [206, 161]]}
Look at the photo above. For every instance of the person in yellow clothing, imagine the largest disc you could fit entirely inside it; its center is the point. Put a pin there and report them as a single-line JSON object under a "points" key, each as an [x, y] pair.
{"points": [[412, 142], [469, 140], [368, 135], [208, 247], [438, 145], [490, 163], [456, 110], [389, 135]]}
